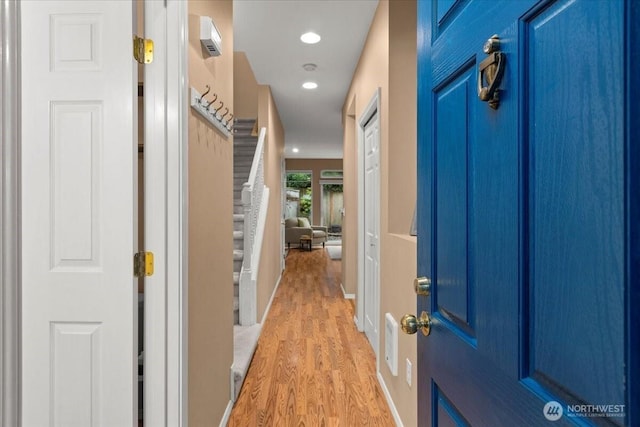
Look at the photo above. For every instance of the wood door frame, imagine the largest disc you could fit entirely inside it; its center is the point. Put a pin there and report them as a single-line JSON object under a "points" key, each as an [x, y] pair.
{"points": [[174, 233], [10, 263], [372, 109]]}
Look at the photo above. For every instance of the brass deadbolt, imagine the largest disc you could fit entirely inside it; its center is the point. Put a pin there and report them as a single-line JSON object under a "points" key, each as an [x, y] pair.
{"points": [[422, 286]]}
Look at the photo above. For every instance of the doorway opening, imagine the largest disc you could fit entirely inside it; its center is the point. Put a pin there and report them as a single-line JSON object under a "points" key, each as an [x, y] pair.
{"points": [[299, 195]]}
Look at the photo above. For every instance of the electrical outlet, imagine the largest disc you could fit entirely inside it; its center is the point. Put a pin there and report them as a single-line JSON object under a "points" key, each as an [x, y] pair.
{"points": [[409, 372]]}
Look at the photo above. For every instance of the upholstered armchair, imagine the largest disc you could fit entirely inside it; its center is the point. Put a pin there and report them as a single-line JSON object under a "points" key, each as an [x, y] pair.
{"points": [[294, 228]]}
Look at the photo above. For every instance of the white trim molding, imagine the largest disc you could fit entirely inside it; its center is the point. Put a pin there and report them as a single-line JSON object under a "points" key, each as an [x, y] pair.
{"points": [[177, 39], [392, 405], [166, 231], [10, 262], [273, 294], [346, 295], [227, 412]]}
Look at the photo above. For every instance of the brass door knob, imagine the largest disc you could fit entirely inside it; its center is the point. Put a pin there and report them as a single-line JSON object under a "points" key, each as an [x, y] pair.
{"points": [[422, 286], [411, 324]]}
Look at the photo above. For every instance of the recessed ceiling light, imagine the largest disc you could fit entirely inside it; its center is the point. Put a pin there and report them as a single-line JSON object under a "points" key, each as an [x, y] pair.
{"points": [[310, 38], [295, 150], [309, 67], [309, 85]]}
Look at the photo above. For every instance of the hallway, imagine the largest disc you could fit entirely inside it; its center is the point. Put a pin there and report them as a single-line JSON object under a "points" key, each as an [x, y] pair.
{"points": [[311, 367]]}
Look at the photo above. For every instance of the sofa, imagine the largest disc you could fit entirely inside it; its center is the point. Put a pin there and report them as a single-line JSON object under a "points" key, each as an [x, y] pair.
{"points": [[294, 228]]}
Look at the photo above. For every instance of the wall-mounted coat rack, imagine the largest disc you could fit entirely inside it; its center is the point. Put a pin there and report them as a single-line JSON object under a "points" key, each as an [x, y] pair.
{"points": [[213, 110]]}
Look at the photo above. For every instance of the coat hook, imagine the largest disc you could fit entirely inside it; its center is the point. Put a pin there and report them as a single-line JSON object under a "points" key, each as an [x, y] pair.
{"points": [[229, 122], [226, 111], [204, 94], [212, 101], [216, 115]]}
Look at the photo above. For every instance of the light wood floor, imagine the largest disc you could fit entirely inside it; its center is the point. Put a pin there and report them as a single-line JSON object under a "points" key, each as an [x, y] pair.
{"points": [[312, 367]]}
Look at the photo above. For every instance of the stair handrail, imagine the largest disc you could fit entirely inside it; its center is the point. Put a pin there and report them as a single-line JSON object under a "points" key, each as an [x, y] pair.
{"points": [[253, 192], [257, 172]]}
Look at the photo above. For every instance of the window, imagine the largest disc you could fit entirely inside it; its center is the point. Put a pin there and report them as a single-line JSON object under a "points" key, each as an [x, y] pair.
{"points": [[331, 174]]}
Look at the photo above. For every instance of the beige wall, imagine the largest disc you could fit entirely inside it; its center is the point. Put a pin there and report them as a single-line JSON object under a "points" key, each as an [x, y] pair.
{"points": [[271, 256], [245, 88], [315, 166], [350, 186], [210, 226], [388, 62], [371, 73]]}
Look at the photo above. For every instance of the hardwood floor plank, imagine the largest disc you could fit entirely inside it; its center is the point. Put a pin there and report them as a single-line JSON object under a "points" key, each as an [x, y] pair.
{"points": [[311, 366]]}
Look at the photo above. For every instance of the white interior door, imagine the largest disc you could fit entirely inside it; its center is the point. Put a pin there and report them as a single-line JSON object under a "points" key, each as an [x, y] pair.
{"points": [[78, 164], [371, 228]]}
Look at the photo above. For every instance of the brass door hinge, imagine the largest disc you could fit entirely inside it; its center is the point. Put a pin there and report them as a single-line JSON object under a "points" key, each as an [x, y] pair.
{"points": [[143, 264], [143, 50]]}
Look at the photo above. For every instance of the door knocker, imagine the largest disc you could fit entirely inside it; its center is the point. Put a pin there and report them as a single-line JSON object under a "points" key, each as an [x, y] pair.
{"points": [[491, 70]]}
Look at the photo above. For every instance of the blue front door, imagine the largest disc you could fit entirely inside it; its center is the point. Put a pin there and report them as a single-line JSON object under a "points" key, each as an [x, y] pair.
{"points": [[529, 224]]}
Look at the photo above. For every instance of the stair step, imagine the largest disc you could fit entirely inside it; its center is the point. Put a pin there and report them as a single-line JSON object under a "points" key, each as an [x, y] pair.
{"points": [[236, 278], [238, 235], [238, 255], [244, 136], [245, 144], [245, 121], [236, 303], [244, 167], [238, 217]]}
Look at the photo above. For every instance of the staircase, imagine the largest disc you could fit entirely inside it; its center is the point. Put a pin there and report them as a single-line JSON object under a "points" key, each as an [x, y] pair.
{"points": [[245, 338], [245, 139]]}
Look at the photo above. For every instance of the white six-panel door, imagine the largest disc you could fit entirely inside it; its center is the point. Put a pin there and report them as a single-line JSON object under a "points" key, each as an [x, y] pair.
{"points": [[78, 204], [371, 229]]}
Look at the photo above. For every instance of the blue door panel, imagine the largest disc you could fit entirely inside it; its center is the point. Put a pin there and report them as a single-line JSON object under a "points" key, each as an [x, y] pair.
{"points": [[454, 296], [576, 209], [528, 215], [442, 7], [446, 414], [478, 388]]}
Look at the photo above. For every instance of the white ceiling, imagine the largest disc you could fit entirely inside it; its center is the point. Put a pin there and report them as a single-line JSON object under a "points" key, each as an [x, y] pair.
{"points": [[268, 31]]}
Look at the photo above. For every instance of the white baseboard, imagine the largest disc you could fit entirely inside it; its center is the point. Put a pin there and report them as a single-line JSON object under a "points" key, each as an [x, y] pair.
{"points": [[227, 413], [346, 295], [392, 406], [273, 294]]}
